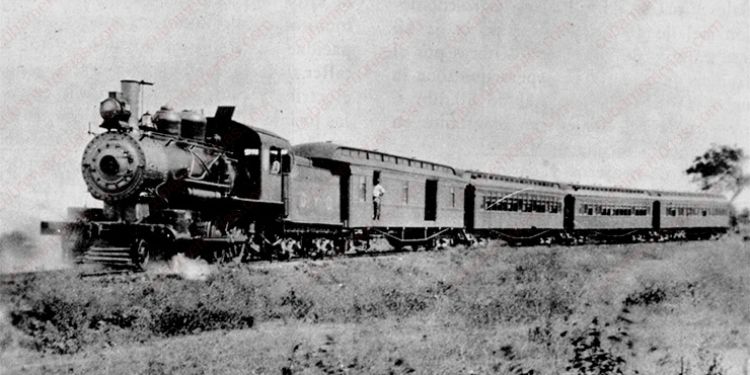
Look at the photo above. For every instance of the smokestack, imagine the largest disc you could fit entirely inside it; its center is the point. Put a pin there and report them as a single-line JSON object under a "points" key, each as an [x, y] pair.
{"points": [[131, 93]]}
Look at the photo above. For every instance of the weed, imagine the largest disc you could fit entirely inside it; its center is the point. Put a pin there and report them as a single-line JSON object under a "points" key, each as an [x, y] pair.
{"points": [[650, 295], [591, 356]]}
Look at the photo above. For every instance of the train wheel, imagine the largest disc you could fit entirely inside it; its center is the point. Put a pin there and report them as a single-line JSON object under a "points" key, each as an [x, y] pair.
{"points": [[481, 242], [291, 247], [141, 253], [280, 251], [356, 246], [320, 248], [231, 253], [272, 248], [326, 247], [238, 253], [443, 243], [254, 251], [339, 245]]}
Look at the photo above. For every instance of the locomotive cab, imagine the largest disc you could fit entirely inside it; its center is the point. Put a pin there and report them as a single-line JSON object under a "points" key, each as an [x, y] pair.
{"points": [[263, 158]]}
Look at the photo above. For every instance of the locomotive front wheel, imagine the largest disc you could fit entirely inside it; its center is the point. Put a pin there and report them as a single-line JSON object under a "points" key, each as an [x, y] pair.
{"points": [[141, 253]]}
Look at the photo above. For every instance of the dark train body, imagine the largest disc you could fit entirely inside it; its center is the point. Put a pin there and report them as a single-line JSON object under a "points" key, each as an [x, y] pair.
{"points": [[218, 189]]}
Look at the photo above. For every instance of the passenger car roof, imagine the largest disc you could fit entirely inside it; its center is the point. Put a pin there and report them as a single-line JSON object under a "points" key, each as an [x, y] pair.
{"points": [[477, 175], [373, 158]]}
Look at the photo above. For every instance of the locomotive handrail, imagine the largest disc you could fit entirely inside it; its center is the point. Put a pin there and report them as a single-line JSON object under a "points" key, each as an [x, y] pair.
{"points": [[206, 168]]}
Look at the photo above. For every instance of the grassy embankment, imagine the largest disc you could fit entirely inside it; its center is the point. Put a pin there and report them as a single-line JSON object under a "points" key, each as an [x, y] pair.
{"points": [[651, 308]]}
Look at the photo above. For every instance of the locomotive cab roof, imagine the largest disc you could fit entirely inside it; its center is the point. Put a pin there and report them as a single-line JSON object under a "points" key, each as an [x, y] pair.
{"points": [[237, 136]]}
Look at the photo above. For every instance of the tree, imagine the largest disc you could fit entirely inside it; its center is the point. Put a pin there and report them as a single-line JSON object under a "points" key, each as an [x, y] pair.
{"points": [[720, 169]]}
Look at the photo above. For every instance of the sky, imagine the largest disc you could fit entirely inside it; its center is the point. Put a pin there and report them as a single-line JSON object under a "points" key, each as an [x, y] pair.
{"points": [[599, 92]]}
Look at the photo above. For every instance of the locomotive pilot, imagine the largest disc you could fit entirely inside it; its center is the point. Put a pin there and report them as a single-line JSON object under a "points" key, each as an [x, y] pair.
{"points": [[377, 196]]}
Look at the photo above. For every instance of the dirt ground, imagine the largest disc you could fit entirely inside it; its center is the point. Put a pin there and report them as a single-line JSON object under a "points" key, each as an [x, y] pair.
{"points": [[656, 308]]}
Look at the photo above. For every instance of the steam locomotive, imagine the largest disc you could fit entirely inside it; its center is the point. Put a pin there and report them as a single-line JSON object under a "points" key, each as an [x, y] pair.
{"points": [[214, 188]]}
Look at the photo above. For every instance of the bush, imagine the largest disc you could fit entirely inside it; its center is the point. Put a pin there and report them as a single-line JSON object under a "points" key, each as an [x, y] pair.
{"points": [[65, 319]]}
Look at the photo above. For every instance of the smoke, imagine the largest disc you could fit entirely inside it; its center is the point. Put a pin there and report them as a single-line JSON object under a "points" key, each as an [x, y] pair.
{"points": [[25, 251], [187, 268]]}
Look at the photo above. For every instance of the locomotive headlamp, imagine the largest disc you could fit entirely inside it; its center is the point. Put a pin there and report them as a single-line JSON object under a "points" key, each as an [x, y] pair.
{"points": [[109, 165], [110, 109]]}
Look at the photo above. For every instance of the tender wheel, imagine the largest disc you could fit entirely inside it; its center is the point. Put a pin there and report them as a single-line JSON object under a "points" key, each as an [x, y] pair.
{"points": [[141, 253]]}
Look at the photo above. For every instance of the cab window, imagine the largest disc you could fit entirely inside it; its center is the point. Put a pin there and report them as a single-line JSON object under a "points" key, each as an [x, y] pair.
{"points": [[274, 160]]}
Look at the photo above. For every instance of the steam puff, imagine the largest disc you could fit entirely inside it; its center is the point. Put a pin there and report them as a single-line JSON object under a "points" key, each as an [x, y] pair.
{"points": [[21, 251], [190, 269]]}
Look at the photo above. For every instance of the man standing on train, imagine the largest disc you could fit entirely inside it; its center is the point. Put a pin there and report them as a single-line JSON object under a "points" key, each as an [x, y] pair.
{"points": [[377, 196]]}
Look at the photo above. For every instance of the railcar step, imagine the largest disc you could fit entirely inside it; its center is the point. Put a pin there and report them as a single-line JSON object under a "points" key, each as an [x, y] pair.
{"points": [[103, 259], [108, 249], [124, 259], [109, 253]]}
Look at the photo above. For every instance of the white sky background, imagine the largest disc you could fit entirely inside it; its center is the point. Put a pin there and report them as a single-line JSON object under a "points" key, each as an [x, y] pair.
{"points": [[424, 86]]}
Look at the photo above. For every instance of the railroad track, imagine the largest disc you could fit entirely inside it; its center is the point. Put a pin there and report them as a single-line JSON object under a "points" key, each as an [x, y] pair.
{"points": [[15, 277], [22, 277]]}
